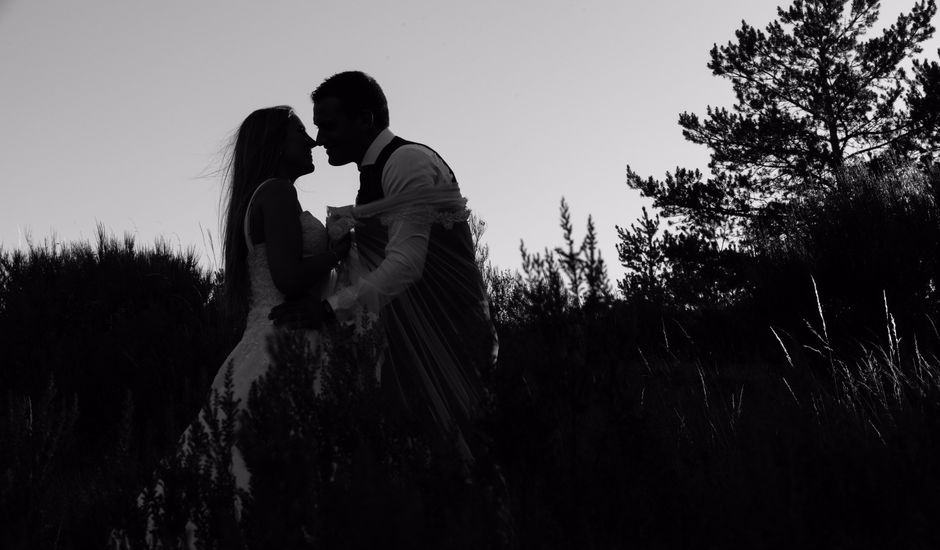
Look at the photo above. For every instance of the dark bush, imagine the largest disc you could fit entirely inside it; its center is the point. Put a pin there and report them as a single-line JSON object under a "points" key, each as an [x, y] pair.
{"points": [[108, 353], [871, 244]]}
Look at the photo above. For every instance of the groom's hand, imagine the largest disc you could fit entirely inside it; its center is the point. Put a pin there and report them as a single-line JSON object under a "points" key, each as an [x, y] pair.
{"points": [[305, 313]]}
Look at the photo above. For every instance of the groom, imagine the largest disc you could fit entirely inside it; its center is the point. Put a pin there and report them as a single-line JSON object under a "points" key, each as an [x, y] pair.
{"points": [[424, 282]]}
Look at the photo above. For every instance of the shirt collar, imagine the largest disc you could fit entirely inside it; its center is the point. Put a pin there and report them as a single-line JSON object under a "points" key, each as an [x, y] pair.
{"points": [[372, 153]]}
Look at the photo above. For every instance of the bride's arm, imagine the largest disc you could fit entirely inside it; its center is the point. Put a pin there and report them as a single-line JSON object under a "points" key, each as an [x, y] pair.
{"points": [[292, 273]]}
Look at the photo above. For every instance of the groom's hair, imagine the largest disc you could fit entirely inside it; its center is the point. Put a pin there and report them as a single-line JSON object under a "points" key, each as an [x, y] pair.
{"points": [[357, 92]]}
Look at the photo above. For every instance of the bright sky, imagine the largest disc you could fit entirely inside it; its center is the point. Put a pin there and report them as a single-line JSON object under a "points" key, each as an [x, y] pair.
{"points": [[117, 111]]}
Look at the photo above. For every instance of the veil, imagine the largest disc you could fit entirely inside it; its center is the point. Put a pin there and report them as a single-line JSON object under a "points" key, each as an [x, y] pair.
{"points": [[438, 330]]}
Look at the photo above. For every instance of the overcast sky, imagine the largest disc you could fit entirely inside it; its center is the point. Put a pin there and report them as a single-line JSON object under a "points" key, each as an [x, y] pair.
{"points": [[116, 112]]}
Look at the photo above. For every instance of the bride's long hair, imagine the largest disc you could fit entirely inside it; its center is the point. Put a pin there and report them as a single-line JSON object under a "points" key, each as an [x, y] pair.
{"points": [[253, 157]]}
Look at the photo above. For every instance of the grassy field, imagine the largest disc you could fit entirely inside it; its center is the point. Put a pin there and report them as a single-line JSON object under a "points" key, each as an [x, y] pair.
{"points": [[614, 425]]}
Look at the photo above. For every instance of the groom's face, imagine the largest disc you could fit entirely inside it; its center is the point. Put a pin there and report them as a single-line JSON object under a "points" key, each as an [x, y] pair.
{"points": [[345, 137]]}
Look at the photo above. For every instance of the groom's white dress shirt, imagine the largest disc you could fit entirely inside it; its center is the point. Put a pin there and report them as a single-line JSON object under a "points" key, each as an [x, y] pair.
{"points": [[409, 168]]}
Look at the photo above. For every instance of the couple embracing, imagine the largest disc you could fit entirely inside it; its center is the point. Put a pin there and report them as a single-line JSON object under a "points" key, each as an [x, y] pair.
{"points": [[402, 255], [403, 252]]}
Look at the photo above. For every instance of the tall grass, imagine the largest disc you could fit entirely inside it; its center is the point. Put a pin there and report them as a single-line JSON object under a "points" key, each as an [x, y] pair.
{"points": [[827, 447], [614, 424]]}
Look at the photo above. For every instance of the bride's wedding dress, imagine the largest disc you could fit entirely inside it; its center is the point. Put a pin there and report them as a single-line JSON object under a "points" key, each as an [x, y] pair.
{"points": [[249, 359], [246, 363]]}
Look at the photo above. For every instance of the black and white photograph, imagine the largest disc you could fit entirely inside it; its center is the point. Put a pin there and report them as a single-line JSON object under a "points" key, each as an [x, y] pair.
{"points": [[314, 274]]}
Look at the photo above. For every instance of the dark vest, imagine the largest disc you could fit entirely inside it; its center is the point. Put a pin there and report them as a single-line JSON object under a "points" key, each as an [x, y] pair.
{"points": [[370, 177], [370, 189]]}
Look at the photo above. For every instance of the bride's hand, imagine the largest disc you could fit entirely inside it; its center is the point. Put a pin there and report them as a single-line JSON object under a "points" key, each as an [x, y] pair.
{"points": [[339, 221], [340, 247], [339, 227]]}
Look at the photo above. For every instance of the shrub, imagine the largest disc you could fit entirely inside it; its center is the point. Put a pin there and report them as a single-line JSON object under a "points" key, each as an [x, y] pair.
{"points": [[876, 236], [107, 352]]}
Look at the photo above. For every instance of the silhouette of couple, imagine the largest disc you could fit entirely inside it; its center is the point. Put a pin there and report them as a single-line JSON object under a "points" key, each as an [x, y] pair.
{"points": [[402, 254], [400, 261]]}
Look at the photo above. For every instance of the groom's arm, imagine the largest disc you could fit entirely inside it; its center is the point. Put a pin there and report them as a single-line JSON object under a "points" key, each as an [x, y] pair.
{"points": [[410, 168]]}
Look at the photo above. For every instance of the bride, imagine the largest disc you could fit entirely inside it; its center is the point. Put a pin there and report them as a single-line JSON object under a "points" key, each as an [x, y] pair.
{"points": [[273, 251]]}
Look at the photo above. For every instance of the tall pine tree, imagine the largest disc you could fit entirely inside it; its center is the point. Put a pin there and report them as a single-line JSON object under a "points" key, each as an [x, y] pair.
{"points": [[813, 93], [924, 99]]}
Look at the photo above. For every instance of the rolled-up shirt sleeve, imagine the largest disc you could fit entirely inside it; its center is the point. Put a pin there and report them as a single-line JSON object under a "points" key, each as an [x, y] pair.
{"points": [[411, 167]]}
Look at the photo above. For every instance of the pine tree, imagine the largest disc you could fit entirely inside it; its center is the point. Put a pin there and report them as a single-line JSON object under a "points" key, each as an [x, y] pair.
{"points": [[642, 253], [924, 99], [594, 269], [813, 94]]}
